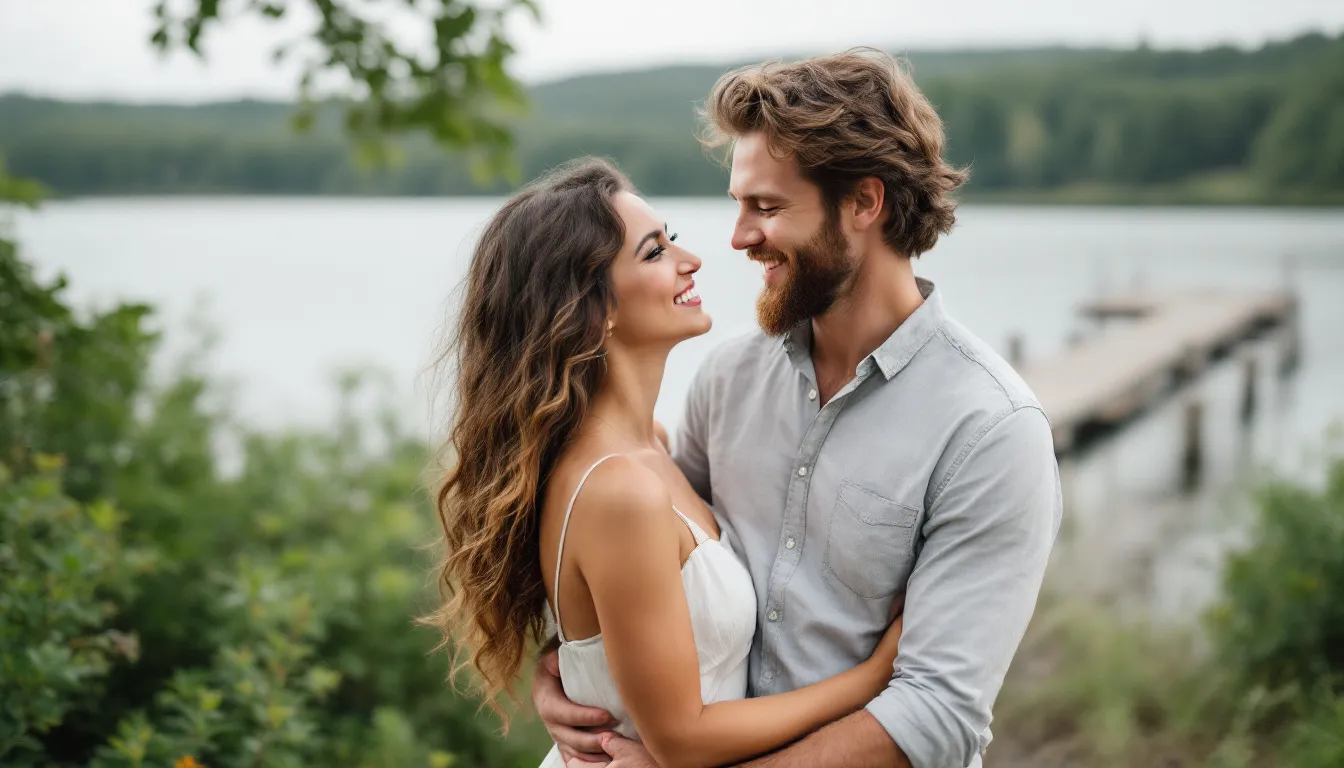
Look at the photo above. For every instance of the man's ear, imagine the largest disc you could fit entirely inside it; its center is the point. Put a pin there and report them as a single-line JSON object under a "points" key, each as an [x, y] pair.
{"points": [[867, 202]]}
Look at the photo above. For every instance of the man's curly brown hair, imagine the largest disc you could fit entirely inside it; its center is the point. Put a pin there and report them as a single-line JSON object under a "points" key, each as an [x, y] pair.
{"points": [[844, 118]]}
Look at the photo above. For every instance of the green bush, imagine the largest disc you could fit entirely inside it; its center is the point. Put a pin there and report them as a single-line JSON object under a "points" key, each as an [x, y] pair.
{"points": [[1280, 621], [1263, 685], [159, 610], [65, 572], [1317, 740]]}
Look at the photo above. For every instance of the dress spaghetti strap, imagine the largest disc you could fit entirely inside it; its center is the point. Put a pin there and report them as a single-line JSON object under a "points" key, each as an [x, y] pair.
{"points": [[560, 553]]}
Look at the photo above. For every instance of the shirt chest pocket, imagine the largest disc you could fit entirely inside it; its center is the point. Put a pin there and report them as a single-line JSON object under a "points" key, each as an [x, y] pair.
{"points": [[871, 542]]}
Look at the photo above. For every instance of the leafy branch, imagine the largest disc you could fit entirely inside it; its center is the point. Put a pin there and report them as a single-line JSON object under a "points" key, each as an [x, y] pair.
{"points": [[456, 87]]}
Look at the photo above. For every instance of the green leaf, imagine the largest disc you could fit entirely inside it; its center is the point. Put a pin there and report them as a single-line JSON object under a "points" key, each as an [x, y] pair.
{"points": [[389, 89], [104, 516]]}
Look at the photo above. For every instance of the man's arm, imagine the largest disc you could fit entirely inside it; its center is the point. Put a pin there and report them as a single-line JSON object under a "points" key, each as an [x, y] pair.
{"points": [[856, 741], [575, 729], [972, 593]]}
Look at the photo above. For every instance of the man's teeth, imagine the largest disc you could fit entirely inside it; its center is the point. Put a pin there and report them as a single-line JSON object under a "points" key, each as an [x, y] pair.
{"points": [[685, 296]]}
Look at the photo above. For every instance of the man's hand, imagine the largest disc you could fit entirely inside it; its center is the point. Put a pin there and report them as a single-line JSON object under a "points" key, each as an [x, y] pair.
{"points": [[626, 753], [575, 729]]}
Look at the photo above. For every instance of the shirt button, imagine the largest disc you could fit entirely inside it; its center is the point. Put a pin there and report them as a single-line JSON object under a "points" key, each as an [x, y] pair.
{"points": [[802, 471], [773, 616], [788, 543], [811, 394]]}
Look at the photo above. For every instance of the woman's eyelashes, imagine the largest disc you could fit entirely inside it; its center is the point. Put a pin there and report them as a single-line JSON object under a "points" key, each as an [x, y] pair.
{"points": [[658, 250]]}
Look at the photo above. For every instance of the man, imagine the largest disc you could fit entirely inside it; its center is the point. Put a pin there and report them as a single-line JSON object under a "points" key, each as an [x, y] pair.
{"points": [[865, 452]]}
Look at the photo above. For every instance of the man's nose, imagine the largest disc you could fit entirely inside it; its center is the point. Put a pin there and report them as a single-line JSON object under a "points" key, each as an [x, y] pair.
{"points": [[746, 235]]}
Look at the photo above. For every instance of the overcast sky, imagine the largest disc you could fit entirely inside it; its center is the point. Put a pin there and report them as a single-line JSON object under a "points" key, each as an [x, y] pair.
{"points": [[99, 48]]}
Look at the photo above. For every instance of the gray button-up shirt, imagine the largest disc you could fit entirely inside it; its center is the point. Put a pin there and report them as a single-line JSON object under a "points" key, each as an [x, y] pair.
{"points": [[929, 478]]}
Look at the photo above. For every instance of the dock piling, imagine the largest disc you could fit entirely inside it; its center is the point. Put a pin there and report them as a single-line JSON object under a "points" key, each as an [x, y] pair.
{"points": [[1192, 453], [1015, 350], [1250, 370]]}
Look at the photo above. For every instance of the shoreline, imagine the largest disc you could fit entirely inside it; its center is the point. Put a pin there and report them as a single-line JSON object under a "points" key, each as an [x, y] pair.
{"points": [[1063, 198]]}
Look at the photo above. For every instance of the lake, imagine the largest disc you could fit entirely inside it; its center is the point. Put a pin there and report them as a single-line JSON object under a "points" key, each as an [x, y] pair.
{"points": [[299, 288]]}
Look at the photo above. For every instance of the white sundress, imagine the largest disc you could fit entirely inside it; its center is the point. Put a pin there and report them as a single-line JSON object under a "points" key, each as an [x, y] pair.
{"points": [[722, 604]]}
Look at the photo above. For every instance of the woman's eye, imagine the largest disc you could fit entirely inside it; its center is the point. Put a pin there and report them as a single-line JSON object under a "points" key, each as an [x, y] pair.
{"points": [[658, 251]]}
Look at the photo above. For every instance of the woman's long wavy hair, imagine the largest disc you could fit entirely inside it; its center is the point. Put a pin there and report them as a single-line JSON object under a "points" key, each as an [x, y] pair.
{"points": [[528, 352]]}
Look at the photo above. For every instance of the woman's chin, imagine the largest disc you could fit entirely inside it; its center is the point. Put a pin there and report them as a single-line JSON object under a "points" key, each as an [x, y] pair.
{"points": [[703, 322], [706, 322]]}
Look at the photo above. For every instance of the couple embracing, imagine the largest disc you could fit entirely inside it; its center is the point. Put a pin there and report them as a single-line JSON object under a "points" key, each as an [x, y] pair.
{"points": [[834, 558]]}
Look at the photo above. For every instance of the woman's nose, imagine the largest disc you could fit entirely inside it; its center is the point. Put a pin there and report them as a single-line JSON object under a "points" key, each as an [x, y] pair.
{"points": [[690, 264]]}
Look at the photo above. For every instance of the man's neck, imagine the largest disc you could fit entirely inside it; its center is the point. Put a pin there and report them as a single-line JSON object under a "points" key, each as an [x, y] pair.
{"points": [[884, 294]]}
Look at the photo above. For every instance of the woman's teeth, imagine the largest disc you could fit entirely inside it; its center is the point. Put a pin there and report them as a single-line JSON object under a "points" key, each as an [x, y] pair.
{"points": [[687, 295]]}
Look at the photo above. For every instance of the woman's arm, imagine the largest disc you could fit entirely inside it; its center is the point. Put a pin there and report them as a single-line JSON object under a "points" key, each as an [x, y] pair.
{"points": [[630, 559]]}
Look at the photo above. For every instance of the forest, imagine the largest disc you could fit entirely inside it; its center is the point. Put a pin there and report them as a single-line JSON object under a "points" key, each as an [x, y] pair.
{"points": [[1220, 125]]}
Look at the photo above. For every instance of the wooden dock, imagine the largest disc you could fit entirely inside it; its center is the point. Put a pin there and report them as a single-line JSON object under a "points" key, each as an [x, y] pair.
{"points": [[1153, 343]]}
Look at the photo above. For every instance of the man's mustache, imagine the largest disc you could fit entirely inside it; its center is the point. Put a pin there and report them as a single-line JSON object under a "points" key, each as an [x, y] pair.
{"points": [[766, 254]]}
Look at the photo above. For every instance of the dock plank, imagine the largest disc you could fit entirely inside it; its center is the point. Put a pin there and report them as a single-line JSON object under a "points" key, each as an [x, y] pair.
{"points": [[1110, 377]]}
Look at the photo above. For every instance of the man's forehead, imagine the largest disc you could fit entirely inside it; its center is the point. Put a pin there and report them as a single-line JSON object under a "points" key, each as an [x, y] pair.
{"points": [[757, 172]]}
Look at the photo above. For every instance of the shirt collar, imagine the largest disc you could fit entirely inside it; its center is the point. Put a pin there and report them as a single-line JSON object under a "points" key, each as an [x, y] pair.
{"points": [[899, 348]]}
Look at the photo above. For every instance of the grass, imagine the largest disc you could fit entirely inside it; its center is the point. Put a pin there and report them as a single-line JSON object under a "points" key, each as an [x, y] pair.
{"points": [[1087, 689]]}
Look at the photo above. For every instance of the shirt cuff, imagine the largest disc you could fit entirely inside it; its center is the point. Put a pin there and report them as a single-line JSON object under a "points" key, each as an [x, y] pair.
{"points": [[930, 734]]}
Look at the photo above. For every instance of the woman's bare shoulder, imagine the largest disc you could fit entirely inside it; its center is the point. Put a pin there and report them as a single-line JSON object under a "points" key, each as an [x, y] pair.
{"points": [[619, 490], [621, 487]]}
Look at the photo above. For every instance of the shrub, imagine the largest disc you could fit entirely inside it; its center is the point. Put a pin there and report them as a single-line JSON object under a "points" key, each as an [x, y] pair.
{"points": [[159, 610], [65, 572], [1261, 686], [1317, 740], [1280, 620]]}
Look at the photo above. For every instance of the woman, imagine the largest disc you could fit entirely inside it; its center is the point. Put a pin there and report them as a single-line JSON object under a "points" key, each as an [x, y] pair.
{"points": [[562, 497]]}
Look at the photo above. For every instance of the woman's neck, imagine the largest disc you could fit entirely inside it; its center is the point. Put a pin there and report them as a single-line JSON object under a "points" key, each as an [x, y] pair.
{"points": [[625, 400]]}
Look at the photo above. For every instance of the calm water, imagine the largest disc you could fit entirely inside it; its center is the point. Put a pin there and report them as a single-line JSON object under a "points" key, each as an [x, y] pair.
{"points": [[298, 288]]}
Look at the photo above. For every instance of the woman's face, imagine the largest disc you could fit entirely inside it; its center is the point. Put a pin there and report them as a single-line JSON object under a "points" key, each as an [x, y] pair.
{"points": [[652, 278]]}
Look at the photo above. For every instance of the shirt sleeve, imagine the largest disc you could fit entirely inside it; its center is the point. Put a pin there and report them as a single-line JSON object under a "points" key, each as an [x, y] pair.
{"points": [[973, 590], [691, 440]]}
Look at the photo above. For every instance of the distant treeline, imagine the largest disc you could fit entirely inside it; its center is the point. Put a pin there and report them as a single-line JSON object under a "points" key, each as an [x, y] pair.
{"points": [[1217, 125]]}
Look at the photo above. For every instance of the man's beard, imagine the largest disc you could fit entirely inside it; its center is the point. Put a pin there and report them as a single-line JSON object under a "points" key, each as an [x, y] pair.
{"points": [[820, 270]]}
